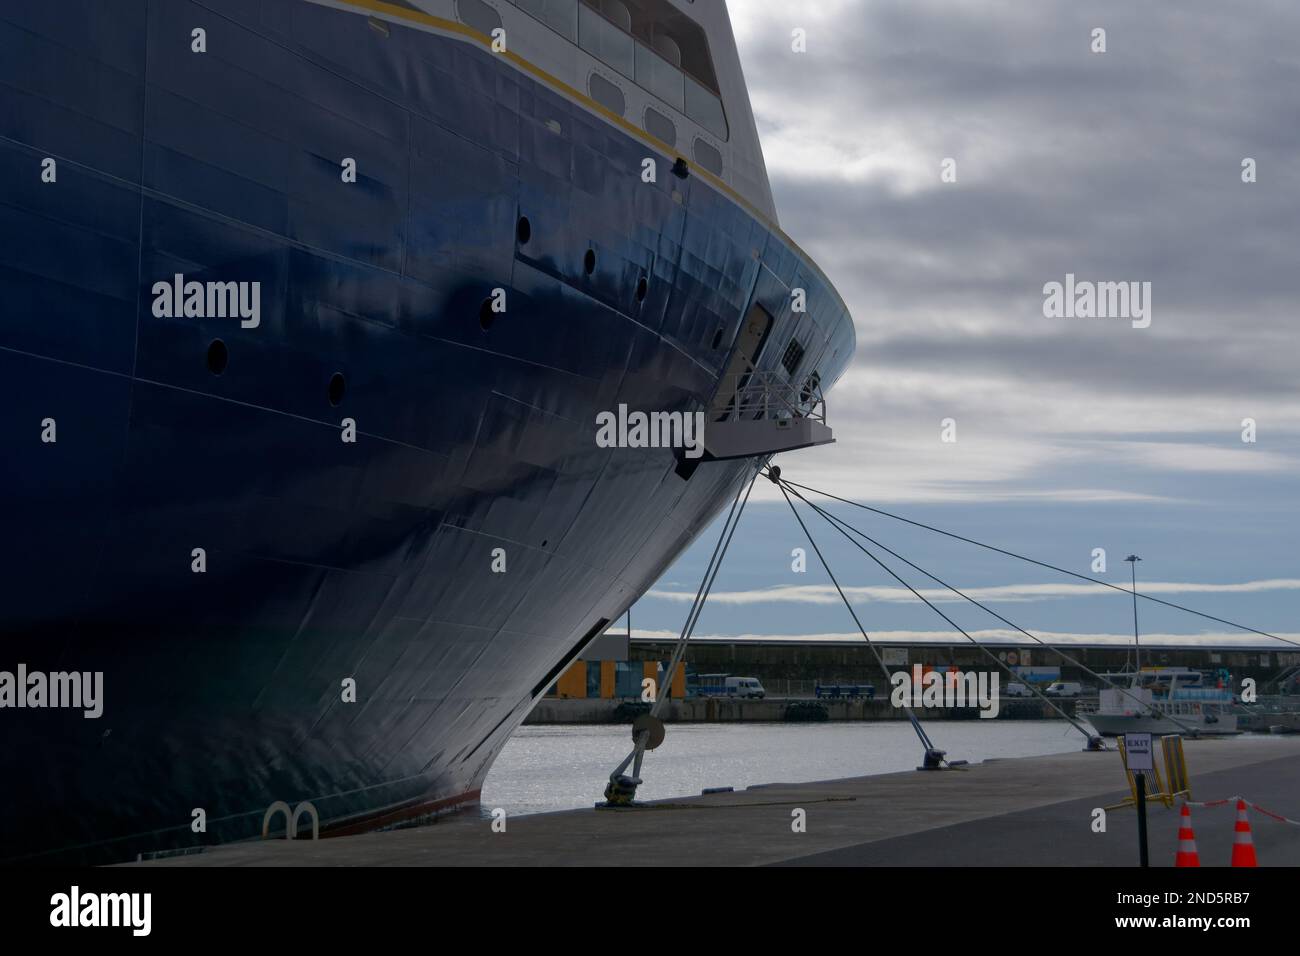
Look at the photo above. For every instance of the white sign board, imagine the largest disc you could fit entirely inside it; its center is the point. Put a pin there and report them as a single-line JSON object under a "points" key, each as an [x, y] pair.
{"points": [[1138, 748]]}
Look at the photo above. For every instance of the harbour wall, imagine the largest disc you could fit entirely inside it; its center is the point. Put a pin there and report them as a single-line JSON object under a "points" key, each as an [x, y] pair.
{"points": [[793, 668], [771, 709]]}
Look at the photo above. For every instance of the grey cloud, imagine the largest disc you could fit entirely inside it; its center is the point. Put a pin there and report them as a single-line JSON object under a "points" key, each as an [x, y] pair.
{"points": [[1122, 166]]}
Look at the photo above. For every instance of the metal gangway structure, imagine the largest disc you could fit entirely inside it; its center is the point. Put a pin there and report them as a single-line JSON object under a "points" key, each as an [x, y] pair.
{"points": [[757, 413]]}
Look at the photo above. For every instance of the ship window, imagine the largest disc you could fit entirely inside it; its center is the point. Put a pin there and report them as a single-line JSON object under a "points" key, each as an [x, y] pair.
{"points": [[218, 357], [606, 94], [523, 230], [642, 287], [589, 261], [660, 126], [336, 389], [706, 109], [663, 49], [605, 41], [660, 77], [667, 48], [708, 157], [560, 15], [675, 36], [617, 13], [792, 357], [478, 15]]}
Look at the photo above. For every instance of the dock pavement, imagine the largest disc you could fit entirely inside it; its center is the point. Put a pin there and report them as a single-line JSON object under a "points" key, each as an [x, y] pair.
{"points": [[1031, 811]]}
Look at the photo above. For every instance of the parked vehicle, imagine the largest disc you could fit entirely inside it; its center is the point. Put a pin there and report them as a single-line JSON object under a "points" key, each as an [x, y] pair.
{"points": [[744, 687], [1064, 688], [1015, 689]]}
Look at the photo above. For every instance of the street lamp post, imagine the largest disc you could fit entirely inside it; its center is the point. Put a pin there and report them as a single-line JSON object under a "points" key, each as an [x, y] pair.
{"points": [[1133, 559]]}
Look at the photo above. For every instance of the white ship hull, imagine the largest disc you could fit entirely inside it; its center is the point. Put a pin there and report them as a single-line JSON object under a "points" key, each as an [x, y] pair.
{"points": [[1113, 725]]}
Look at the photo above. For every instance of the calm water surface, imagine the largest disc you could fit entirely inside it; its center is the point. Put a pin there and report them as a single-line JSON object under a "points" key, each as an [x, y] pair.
{"points": [[555, 767]]}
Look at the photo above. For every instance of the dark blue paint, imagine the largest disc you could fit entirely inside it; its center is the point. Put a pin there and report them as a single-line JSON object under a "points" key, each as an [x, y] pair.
{"points": [[327, 560]]}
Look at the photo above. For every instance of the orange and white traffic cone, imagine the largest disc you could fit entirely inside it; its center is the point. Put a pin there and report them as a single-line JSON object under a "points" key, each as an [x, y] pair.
{"points": [[1243, 847], [1187, 855]]}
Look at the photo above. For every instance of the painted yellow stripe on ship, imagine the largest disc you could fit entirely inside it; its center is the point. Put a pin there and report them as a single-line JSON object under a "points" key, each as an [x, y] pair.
{"points": [[451, 26]]}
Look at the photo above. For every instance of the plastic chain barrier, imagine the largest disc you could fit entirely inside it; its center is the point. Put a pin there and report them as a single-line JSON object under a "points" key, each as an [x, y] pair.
{"points": [[1253, 806]]}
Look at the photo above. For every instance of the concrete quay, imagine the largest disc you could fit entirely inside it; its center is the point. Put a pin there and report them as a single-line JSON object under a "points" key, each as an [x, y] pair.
{"points": [[1033, 811]]}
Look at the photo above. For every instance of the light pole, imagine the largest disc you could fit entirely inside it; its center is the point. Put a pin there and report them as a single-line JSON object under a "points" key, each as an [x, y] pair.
{"points": [[1133, 559]]}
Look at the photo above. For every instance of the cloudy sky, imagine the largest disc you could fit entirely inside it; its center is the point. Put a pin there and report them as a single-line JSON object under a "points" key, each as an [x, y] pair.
{"points": [[1072, 433]]}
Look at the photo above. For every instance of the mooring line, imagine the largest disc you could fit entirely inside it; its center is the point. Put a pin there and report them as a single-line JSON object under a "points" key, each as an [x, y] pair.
{"points": [[1091, 737], [1051, 647], [622, 789], [933, 756], [1043, 564]]}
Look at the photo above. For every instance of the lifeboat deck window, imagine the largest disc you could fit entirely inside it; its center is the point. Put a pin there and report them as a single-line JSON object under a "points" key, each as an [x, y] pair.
{"points": [[658, 46], [604, 40], [649, 41], [477, 14], [675, 36], [560, 15]]}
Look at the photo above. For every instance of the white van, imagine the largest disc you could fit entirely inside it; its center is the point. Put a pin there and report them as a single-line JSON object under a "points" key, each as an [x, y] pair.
{"points": [[1064, 688], [1016, 689], [744, 687]]}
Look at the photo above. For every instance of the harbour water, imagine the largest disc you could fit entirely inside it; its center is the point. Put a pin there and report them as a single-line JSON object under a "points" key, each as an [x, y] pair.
{"points": [[555, 767]]}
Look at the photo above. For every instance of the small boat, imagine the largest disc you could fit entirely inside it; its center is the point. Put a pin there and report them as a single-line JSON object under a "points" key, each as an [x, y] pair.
{"points": [[1272, 715], [1163, 700]]}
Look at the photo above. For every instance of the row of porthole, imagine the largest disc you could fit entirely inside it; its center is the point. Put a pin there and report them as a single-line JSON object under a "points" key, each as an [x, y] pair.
{"points": [[523, 233], [218, 358]]}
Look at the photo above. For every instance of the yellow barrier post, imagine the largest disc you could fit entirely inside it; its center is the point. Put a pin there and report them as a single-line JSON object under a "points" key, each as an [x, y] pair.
{"points": [[1156, 792], [1180, 782]]}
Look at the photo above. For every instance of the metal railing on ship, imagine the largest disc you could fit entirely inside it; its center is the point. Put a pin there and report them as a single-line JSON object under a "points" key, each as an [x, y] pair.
{"points": [[759, 395]]}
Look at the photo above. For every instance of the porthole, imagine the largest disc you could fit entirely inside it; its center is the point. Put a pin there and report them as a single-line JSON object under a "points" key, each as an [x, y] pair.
{"points": [[336, 389], [642, 286], [218, 357], [708, 157], [660, 126], [589, 261], [485, 315], [523, 230], [606, 94], [717, 339]]}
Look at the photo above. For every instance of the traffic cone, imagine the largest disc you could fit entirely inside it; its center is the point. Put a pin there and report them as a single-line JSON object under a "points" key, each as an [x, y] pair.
{"points": [[1187, 855], [1243, 847]]}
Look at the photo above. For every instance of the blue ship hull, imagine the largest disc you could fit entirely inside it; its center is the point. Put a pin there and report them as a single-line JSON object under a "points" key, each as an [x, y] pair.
{"points": [[328, 560]]}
